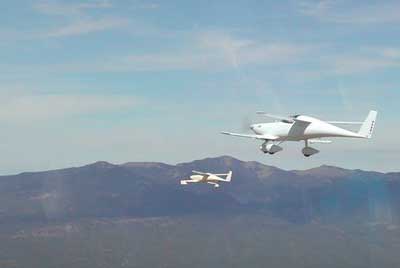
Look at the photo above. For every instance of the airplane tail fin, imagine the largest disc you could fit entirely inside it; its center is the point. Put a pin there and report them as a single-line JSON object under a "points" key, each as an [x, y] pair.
{"points": [[229, 176], [367, 127]]}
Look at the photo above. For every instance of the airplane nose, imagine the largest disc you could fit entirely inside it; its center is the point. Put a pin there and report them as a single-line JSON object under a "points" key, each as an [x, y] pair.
{"points": [[252, 127]]}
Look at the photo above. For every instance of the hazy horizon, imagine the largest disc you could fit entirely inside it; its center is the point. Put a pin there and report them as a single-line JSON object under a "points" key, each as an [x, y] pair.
{"points": [[186, 162]]}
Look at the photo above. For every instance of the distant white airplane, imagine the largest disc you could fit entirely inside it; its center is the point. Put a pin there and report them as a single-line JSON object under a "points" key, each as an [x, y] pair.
{"points": [[210, 178], [302, 127]]}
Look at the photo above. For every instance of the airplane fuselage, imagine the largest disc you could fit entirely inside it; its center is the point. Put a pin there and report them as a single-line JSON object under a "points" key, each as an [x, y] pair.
{"points": [[302, 127], [302, 131], [205, 178], [209, 178]]}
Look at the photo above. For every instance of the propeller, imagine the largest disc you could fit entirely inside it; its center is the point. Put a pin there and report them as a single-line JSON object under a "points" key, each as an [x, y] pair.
{"points": [[247, 121]]}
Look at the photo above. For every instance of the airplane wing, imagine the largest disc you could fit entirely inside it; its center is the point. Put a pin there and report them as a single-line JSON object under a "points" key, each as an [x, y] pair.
{"points": [[201, 173], [222, 174], [252, 136], [279, 117], [286, 119]]}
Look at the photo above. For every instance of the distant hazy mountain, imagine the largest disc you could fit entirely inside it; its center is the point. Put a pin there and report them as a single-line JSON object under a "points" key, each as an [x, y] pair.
{"points": [[152, 189]]}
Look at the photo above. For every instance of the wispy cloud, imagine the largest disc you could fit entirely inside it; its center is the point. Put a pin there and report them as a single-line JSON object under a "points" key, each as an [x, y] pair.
{"points": [[149, 6], [29, 108], [70, 9], [354, 64], [316, 8], [357, 13], [362, 62], [390, 52], [239, 51], [211, 51], [78, 18], [87, 26]]}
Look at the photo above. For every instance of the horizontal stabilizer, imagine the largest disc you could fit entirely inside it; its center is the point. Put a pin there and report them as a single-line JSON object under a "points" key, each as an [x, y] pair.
{"points": [[320, 141], [344, 122]]}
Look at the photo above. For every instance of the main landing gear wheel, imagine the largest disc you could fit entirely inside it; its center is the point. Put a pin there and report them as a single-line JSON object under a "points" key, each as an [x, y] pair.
{"points": [[308, 151]]}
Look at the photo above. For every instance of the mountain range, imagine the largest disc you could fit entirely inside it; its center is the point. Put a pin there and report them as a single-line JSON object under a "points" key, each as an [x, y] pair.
{"points": [[147, 189]]}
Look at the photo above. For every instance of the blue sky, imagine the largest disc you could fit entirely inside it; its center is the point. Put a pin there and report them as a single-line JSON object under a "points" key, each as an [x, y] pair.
{"points": [[120, 81]]}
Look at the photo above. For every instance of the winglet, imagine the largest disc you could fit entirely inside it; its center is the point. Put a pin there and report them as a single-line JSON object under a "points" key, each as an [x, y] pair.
{"points": [[367, 127]]}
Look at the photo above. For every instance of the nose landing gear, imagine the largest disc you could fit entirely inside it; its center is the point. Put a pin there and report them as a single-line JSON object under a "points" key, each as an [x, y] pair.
{"points": [[270, 148]]}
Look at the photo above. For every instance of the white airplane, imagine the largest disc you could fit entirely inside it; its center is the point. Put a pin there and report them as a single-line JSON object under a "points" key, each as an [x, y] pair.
{"points": [[302, 127], [209, 178]]}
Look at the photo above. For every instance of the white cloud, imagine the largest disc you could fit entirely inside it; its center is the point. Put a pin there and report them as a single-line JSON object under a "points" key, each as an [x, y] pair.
{"points": [[358, 64], [223, 44], [315, 9], [78, 19], [149, 6], [61, 9], [239, 51], [393, 53], [87, 26], [365, 60], [210, 51], [351, 12], [27, 108]]}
